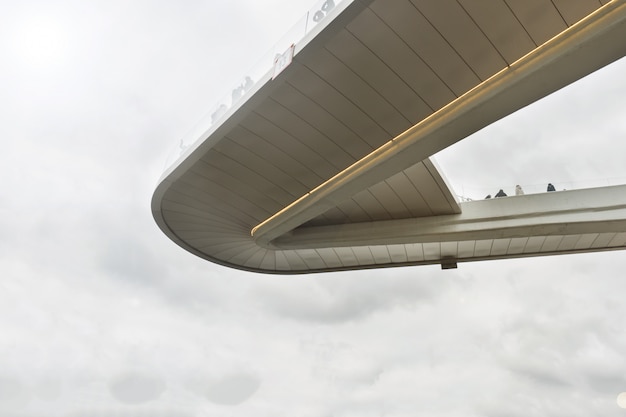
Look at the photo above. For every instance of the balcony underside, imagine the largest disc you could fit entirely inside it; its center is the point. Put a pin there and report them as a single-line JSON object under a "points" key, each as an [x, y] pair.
{"points": [[327, 166]]}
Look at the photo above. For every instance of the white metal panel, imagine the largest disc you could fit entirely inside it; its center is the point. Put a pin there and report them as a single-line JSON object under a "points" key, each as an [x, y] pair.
{"points": [[390, 200], [574, 10], [296, 158], [467, 39], [281, 261], [321, 92], [568, 243], [246, 135], [295, 260], [380, 254], [311, 258], [172, 208], [423, 180], [409, 195], [432, 251], [241, 172], [269, 261], [400, 58], [228, 249], [500, 25], [517, 245], [371, 69], [500, 247], [246, 255], [482, 248], [540, 18], [437, 53], [366, 200], [363, 255], [330, 257], [551, 243], [603, 240], [237, 254], [322, 120], [209, 196], [449, 250], [618, 240], [347, 256], [354, 212], [350, 85], [216, 240], [586, 240], [415, 252], [262, 167], [219, 226], [534, 244], [244, 187], [315, 146], [333, 216], [398, 253], [254, 261], [466, 248]]}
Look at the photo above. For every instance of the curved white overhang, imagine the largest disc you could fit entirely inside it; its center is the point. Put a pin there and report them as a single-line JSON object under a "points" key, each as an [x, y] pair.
{"points": [[326, 166]]}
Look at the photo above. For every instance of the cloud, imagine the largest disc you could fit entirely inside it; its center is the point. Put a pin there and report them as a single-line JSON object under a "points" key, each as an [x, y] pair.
{"points": [[136, 388], [336, 298], [232, 389], [12, 391]]}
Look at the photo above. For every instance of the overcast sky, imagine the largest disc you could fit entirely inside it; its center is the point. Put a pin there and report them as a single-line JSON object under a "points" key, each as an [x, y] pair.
{"points": [[102, 315]]}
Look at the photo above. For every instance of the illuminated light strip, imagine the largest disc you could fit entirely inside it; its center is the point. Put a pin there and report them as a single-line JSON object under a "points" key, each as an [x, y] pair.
{"points": [[429, 135]]}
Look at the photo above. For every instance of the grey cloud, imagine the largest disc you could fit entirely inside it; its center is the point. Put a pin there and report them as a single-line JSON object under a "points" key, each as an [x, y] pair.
{"points": [[13, 392], [230, 389], [543, 374], [541, 403], [342, 297], [134, 388], [607, 383], [123, 412], [340, 363], [48, 389]]}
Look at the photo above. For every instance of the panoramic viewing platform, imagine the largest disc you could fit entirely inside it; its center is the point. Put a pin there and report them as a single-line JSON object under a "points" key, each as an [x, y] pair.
{"points": [[319, 159]]}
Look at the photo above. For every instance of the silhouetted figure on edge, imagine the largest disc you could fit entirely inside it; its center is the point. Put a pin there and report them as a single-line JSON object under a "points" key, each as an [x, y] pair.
{"points": [[518, 190], [501, 194], [328, 5], [488, 197], [237, 93], [221, 110], [248, 83], [319, 15], [551, 187]]}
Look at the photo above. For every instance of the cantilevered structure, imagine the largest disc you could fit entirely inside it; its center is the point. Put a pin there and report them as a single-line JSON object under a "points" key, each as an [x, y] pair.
{"points": [[322, 163]]}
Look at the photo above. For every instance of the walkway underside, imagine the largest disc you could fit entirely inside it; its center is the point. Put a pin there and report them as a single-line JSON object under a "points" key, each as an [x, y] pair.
{"points": [[326, 167]]}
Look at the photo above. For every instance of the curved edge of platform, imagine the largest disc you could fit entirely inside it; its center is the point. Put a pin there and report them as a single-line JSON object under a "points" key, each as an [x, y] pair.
{"points": [[562, 237]]}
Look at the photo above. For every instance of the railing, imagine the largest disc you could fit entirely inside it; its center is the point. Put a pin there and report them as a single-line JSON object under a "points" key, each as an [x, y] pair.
{"points": [[248, 83], [479, 193]]}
